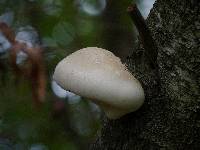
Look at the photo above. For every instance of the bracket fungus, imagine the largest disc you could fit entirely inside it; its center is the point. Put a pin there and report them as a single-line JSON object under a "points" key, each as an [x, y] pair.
{"points": [[99, 75]]}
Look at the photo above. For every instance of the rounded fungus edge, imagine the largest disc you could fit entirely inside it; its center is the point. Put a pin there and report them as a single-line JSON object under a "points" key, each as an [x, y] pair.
{"points": [[100, 76]]}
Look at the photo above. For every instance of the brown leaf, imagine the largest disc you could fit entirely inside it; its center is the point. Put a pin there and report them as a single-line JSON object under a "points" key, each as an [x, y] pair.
{"points": [[7, 32], [33, 69]]}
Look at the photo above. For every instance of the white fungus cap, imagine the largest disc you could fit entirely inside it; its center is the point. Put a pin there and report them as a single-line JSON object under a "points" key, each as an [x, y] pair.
{"points": [[99, 75]]}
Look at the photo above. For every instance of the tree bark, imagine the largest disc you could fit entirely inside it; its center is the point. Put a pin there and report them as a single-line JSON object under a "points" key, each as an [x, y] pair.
{"points": [[170, 116]]}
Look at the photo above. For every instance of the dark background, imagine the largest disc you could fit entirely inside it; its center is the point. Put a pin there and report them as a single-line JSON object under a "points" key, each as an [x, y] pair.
{"points": [[64, 121]]}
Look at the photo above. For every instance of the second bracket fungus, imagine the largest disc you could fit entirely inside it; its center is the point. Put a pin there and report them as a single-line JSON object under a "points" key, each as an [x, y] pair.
{"points": [[100, 76]]}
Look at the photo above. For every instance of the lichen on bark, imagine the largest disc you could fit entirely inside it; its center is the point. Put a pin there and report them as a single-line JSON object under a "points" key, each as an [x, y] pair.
{"points": [[170, 116]]}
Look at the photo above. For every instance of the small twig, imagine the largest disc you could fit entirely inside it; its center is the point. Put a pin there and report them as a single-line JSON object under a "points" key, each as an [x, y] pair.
{"points": [[150, 47]]}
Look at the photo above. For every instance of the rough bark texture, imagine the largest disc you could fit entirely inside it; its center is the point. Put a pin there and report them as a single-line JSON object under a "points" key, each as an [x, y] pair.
{"points": [[170, 116]]}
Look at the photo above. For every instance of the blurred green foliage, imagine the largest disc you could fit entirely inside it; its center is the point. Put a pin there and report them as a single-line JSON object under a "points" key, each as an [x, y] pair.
{"points": [[63, 26]]}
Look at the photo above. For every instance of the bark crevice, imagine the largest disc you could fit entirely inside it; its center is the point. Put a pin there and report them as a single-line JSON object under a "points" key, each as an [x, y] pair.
{"points": [[169, 118]]}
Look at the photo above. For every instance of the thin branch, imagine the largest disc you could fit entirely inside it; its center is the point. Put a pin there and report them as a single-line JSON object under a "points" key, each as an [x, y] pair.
{"points": [[150, 47]]}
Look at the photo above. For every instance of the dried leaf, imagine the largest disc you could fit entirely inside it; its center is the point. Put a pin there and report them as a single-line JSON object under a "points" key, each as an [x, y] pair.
{"points": [[33, 70], [7, 31]]}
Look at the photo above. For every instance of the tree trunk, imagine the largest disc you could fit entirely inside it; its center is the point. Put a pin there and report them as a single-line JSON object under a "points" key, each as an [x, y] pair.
{"points": [[170, 116]]}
